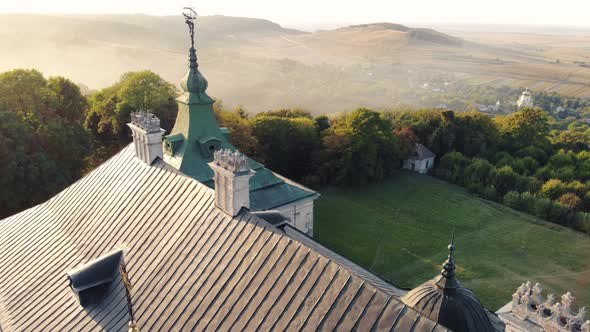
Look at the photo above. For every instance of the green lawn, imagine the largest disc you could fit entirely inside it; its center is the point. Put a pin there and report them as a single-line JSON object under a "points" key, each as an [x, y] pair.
{"points": [[400, 228]]}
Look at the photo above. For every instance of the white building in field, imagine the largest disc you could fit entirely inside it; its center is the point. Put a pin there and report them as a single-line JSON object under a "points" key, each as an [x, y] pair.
{"points": [[525, 100], [421, 160]]}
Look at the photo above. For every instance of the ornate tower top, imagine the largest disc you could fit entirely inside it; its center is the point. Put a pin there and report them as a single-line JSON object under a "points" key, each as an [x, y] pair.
{"points": [[194, 83], [445, 301], [447, 280]]}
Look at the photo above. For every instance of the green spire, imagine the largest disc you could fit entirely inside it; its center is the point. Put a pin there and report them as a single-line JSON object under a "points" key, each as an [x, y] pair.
{"points": [[194, 83]]}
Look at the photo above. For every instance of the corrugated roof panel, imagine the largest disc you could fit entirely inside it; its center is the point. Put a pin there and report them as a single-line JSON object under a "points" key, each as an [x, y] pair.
{"points": [[191, 265], [337, 309], [310, 301], [355, 309], [372, 312], [331, 294]]}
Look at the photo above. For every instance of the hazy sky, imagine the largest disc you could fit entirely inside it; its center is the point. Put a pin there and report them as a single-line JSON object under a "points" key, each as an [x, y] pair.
{"points": [[310, 12]]}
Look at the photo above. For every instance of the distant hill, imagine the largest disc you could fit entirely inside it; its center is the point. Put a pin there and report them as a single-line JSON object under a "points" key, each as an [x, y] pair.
{"points": [[414, 34], [262, 65]]}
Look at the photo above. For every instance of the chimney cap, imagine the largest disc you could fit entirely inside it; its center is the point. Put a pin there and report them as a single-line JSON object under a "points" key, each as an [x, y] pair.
{"points": [[232, 161], [146, 121]]}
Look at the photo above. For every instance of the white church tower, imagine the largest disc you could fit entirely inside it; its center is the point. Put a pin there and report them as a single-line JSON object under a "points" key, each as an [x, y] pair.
{"points": [[525, 100]]}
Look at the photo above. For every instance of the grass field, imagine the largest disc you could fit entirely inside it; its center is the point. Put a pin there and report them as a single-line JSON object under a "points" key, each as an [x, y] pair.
{"points": [[399, 229]]}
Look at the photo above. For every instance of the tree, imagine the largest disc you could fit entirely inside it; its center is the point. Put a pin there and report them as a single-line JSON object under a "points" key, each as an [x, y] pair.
{"points": [[407, 141], [553, 188], [287, 113], [289, 146], [526, 165], [452, 166], [240, 131], [110, 110], [477, 134], [359, 148], [42, 141], [479, 171], [72, 104], [525, 127], [572, 140], [504, 179], [323, 122]]}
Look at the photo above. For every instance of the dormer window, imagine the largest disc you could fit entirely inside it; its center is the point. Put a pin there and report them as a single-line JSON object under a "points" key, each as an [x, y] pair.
{"points": [[91, 282], [209, 145], [172, 143]]}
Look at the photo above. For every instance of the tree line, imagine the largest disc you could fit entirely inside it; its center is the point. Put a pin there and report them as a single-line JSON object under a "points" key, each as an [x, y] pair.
{"points": [[526, 160], [51, 134]]}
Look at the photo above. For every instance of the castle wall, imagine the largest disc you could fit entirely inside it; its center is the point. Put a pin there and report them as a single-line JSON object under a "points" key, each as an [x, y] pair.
{"points": [[301, 215]]}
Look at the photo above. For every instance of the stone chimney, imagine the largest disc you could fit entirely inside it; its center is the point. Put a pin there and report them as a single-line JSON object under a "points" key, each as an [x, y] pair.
{"points": [[147, 136], [232, 181]]}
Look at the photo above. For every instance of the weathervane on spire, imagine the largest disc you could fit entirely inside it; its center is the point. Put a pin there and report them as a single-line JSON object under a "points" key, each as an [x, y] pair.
{"points": [[189, 17]]}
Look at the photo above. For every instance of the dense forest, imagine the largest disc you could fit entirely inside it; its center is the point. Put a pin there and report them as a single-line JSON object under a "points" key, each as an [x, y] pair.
{"points": [[531, 160]]}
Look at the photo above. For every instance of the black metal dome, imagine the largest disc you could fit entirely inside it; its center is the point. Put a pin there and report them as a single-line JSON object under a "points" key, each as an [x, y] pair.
{"points": [[445, 301]]}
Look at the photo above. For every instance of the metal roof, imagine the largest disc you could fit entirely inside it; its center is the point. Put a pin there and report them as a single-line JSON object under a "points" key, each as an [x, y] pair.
{"points": [[421, 152], [192, 267], [444, 300]]}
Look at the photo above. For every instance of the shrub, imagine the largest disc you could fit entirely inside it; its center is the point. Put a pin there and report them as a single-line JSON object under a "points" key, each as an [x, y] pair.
{"points": [[478, 171], [586, 201], [544, 173], [582, 222], [558, 213], [562, 159], [505, 179], [570, 200], [553, 188], [527, 202], [577, 188], [475, 188], [490, 193], [542, 207], [567, 173], [534, 184], [526, 165], [512, 199], [451, 167]]}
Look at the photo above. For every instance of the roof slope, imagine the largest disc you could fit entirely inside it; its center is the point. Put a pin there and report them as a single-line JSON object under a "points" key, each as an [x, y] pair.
{"points": [[421, 152], [191, 265]]}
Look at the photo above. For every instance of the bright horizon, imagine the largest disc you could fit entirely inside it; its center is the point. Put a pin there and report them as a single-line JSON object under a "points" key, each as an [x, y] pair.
{"points": [[312, 13]]}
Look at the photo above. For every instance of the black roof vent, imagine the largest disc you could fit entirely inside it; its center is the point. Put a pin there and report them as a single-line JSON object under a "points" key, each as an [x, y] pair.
{"points": [[91, 281]]}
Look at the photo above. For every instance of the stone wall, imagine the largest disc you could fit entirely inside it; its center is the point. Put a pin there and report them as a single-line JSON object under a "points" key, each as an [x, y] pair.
{"points": [[301, 215], [531, 311], [420, 165]]}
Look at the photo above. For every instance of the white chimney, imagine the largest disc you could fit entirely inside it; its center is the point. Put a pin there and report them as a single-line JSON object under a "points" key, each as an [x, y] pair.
{"points": [[232, 181], [147, 136]]}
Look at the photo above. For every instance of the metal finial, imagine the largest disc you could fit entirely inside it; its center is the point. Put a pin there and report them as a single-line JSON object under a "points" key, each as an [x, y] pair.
{"points": [[452, 245], [190, 15], [447, 280]]}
